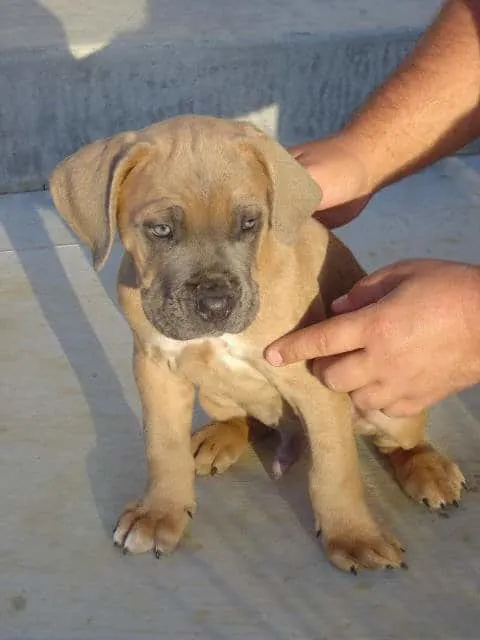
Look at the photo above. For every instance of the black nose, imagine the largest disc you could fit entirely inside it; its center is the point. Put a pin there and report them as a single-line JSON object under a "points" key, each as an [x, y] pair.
{"points": [[214, 301]]}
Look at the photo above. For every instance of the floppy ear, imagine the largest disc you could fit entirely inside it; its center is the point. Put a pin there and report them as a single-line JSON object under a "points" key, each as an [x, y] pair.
{"points": [[295, 196], [86, 185]]}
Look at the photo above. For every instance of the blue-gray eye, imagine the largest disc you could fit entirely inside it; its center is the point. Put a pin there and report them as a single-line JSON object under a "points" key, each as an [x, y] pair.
{"points": [[161, 230], [249, 223]]}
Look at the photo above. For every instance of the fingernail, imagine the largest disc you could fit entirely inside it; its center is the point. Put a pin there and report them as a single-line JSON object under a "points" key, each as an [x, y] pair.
{"points": [[339, 302], [275, 358]]}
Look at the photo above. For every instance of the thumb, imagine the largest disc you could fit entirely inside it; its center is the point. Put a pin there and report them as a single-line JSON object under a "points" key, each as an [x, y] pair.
{"points": [[339, 215], [368, 290]]}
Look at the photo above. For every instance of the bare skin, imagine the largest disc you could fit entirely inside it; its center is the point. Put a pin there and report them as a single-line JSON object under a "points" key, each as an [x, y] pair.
{"points": [[380, 347], [411, 336]]}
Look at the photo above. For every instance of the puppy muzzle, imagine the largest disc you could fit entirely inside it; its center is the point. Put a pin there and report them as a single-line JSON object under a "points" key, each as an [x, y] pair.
{"points": [[214, 301]]}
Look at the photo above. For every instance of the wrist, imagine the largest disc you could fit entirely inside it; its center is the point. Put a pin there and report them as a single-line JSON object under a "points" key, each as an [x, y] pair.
{"points": [[358, 145], [472, 305]]}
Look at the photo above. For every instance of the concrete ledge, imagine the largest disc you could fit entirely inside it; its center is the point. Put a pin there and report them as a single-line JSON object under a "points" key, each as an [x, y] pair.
{"points": [[296, 88], [69, 76]]}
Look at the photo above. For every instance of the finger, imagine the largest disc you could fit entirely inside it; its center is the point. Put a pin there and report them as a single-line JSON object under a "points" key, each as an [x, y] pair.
{"points": [[407, 407], [296, 151], [345, 373], [375, 395], [330, 337], [371, 288], [342, 214]]}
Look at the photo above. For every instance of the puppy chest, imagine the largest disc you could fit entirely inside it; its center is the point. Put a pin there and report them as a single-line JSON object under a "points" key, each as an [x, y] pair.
{"points": [[212, 362], [217, 369]]}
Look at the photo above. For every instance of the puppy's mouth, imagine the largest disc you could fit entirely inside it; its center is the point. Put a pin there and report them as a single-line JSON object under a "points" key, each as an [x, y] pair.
{"points": [[208, 308]]}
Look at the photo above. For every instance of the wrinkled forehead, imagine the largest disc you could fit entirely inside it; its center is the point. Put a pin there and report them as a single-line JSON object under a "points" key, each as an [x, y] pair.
{"points": [[209, 177]]}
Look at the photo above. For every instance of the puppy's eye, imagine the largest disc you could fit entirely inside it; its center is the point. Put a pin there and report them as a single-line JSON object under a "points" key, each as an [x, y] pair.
{"points": [[249, 223], [161, 230]]}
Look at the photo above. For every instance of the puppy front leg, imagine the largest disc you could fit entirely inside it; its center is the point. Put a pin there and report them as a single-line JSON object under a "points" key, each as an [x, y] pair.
{"points": [[350, 536], [158, 521]]}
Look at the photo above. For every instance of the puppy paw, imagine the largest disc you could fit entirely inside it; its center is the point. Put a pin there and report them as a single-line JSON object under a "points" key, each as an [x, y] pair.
{"points": [[217, 446], [372, 549], [141, 528], [427, 476]]}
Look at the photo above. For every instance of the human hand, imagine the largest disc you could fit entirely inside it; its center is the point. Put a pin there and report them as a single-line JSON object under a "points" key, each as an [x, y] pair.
{"points": [[341, 176], [403, 338]]}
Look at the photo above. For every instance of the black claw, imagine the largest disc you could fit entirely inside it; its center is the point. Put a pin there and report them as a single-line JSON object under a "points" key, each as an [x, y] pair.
{"points": [[158, 554], [117, 544], [456, 504], [318, 533], [213, 471], [353, 570], [426, 502], [443, 505], [389, 566], [125, 551], [403, 565], [190, 514], [465, 486]]}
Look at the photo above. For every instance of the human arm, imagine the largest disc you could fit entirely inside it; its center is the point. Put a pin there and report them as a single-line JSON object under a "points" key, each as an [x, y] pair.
{"points": [[428, 108]]}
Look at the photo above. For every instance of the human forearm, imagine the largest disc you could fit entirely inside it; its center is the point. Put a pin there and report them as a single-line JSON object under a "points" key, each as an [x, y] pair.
{"points": [[430, 107]]}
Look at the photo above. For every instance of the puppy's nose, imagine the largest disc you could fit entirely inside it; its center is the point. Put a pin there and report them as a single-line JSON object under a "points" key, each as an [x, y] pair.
{"points": [[214, 301]]}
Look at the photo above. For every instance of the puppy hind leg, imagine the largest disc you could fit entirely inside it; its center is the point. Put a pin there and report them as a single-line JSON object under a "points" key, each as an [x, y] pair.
{"points": [[293, 444], [422, 472], [219, 444]]}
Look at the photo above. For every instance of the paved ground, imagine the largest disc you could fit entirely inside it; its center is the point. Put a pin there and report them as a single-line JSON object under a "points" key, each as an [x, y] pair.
{"points": [[71, 455]]}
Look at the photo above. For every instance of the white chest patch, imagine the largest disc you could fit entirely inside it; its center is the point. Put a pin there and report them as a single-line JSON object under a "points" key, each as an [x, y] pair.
{"points": [[230, 349]]}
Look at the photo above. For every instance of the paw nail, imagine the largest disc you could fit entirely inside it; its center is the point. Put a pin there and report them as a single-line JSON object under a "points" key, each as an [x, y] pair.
{"points": [[389, 566], [443, 505], [117, 544], [426, 503], [456, 504], [318, 533], [465, 486], [404, 565], [158, 554], [189, 514], [353, 570], [214, 471], [125, 551]]}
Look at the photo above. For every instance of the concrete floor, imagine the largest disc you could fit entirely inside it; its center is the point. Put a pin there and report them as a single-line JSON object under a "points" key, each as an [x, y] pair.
{"points": [[71, 455]]}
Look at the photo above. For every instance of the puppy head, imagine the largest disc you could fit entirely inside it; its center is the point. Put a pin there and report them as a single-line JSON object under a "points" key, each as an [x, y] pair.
{"points": [[193, 199]]}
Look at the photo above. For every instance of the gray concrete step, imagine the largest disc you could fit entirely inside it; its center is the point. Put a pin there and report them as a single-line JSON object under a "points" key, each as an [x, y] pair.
{"points": [[71, 456], [74, 72]]}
